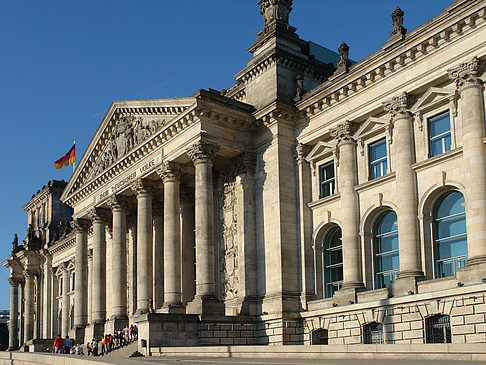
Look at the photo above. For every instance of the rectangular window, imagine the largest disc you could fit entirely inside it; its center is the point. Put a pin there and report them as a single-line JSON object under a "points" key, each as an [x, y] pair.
{"points": [[378, 159], [439, 134], [327, 179]]}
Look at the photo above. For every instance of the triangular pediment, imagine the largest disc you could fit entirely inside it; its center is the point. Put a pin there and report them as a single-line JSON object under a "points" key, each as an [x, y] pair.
{"points": [[320, 150], [432, 97], [126, 126], [370, 126]]}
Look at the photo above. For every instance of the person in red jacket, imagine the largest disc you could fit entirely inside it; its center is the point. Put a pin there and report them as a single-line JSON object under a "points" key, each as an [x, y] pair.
{"points": [[59, 344]]}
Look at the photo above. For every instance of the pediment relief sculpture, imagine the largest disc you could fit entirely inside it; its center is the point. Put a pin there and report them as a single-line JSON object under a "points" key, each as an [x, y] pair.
{"points": [[127, 132]]}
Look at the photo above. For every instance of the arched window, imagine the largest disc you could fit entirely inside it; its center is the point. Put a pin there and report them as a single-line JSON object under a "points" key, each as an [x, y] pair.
{"points": [[72, 317], [438, 329], [385, 246], [333, 261], [373, 333], [320, 337], [450, 235]]}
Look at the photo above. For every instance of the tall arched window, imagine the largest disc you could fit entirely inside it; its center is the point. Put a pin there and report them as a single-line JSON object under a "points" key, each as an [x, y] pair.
{"points": [[387, 265], [450, 235], [333, 261]]}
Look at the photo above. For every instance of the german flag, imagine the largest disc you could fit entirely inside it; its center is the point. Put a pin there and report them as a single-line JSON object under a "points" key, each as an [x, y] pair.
{"points": [[68, 159]]}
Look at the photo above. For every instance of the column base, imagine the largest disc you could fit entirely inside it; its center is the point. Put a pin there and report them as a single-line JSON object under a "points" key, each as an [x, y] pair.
{"points": [[473, 272], [13, 348], [406, 283], [205, 306], [116, 324], [348, 294], [94, 330], [173, 308]]}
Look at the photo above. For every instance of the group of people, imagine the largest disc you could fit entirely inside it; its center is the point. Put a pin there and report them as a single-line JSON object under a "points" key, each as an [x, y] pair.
{"points": [[97, 346]]}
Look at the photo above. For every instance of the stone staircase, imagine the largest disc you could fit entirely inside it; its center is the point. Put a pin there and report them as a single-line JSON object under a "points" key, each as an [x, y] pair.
{"points": [[124, 352]]}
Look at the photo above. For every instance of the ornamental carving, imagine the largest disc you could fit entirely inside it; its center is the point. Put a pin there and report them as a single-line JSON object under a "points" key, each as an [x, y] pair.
{"points": [[344, 63], [301, 152], [228, 240], [468, 73], [99, 215], [170, 171], [245, 163], [118, 203], [80, 225], [275, 11], [400, 106], [398, 30], [127, 133], [142, 187], [344, 132], [202, 152]]}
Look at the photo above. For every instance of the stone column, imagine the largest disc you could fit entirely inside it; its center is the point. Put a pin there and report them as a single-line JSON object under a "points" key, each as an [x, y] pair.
{"points": [[158, 216], [80, 226], [118, 275], [29, 305], [201, 154], [22, 311], [305, 225], [55, 327], [470, 88], [132, 263], [346, 174], [406, 192], [65, 302], [90, 286], [13, 339], [171, 174], [187, 242], [47, 295], [143, 191], [98, 310]]}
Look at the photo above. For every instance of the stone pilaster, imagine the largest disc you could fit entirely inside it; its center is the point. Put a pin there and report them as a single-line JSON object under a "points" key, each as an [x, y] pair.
{"points": [[158, 217], [47, 295], [99, 217], [80, 227], [29, 305], [118, 275], [352, 277], [406, 193], [171, 174], [187, 242], [205, 300], [143, 191], [64, 330], [13, 330], [470, 88]]}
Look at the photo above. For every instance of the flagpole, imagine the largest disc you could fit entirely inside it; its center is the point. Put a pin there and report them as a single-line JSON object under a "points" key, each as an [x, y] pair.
{"points": [[74, 164]]}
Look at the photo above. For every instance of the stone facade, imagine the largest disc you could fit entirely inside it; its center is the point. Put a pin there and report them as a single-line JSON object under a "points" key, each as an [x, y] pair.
{"points": [[302, 206]]}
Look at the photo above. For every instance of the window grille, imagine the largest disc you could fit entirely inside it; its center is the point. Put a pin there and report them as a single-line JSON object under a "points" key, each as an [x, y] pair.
{"points": [[373, 333], [327, 180], [438, 329]]}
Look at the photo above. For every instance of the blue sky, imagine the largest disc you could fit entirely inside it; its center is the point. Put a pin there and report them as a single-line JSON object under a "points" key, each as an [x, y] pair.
{"points": [[63, 62]]}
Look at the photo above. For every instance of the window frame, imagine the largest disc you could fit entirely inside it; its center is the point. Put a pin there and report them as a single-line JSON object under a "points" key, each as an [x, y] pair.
{"points": [[375, 255], [429, 328], [383, 159], [455, 260], [326, 252], [429, 117], [373, 328], [331, 181]]}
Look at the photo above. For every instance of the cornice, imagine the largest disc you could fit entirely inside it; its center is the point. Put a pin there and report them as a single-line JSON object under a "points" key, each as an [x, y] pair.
{"points": [[63, 244], [383, 63]]}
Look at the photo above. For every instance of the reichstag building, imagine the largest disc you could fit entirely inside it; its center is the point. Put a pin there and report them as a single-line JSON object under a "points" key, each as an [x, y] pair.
{"points": [[315, 201]]}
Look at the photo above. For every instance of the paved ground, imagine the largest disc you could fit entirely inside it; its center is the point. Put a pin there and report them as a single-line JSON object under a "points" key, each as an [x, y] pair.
{"points": [[239, 361]]}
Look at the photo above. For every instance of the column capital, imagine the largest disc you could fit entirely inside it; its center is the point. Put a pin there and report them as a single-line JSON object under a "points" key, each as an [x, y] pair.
{"points": [[118, 203], [301, 152], [14, 281], [170, 171], [202, 152], [29, 273], [80, 225], [99, 215], [245, 163], [142, 187], [344, 132], [467, 74], [399, 106]]}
